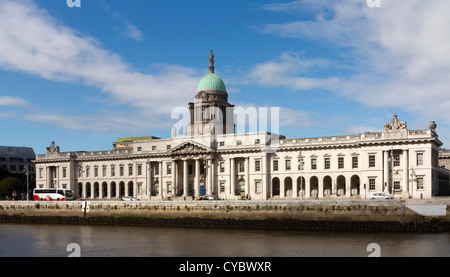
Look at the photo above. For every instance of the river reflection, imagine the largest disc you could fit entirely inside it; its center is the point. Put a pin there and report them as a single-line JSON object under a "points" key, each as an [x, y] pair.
{"points": [[116, 241]]}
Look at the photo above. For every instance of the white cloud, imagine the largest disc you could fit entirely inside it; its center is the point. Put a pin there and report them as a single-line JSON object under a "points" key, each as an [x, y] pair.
{"points": [[289, 70], [133, 32], [35, 43], [398, 51], [12, 101]]}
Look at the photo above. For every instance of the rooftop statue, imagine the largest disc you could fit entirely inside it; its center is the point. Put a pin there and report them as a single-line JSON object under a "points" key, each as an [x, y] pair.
{"points": [[395, 124], [53, 148]]}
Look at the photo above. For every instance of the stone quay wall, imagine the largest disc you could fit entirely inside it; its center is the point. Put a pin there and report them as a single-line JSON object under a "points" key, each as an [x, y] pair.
{"points": [[324, 215]]}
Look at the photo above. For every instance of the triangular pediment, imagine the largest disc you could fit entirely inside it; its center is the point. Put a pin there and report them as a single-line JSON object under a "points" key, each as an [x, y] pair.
{"points": [[189, 147]]}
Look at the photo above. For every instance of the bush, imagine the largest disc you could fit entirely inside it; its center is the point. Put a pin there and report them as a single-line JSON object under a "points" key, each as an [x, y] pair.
{"points": [[10, 185]]}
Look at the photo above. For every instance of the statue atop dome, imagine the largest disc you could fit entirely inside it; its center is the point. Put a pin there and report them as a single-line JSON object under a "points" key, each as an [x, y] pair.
{"points": [[211, 62]]}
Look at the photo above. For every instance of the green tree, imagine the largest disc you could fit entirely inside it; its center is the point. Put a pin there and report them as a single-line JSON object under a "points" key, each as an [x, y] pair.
{"points": [[10, 185]]}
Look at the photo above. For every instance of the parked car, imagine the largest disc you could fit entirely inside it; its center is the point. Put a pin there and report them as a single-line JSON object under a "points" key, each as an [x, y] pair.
{"points": [[379, 195], [129, 198]]}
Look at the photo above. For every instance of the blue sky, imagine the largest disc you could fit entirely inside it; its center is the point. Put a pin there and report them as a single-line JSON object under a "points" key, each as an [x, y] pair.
{"points": [[85, 76]]}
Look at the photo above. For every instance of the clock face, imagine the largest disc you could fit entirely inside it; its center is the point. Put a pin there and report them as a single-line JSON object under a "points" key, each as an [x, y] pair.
{"points": [[203, 95]]}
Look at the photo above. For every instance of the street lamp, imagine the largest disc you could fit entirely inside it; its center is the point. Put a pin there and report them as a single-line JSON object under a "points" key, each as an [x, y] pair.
{"points": [[26, 170]]}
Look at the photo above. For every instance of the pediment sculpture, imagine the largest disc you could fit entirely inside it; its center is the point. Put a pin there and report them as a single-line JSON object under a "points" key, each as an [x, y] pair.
{"points": [[189, 147]]}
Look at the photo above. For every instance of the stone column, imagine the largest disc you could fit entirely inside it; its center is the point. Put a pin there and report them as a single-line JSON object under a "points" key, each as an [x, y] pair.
{"points": [[282, 188], [197, 177], [92, 190], [127, 189], [161, 180], [118, 190], [149, 180], [385, 170], [209, 178], [174, 178], [265, 176], [100, 190], [405, 173], [294, 188], [108, 191], [49, 177], [232, 177], [247, 176], [348, 189], [320, 187], [307, 188], [84, 190], [185, 178]]}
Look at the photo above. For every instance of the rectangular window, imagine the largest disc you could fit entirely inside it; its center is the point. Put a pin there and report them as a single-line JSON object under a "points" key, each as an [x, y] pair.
{"points": [[41, 173], [396, 160], [87, 171], [257, 166], [222, 143], [130, 170], [95, 171], [258, 186], [113, 171], [313, 164], [275, 165], [419, 182], [168, 147], [396, 185], [371, 160], [341, 162], [327, 163], [153, 147], [104, 171], [169, 168], [169, 187], [139, 148], [241, 167], [139, 170], [371, 184], [257, 141], [157, 169], [419, 159], [222, 167], [288, 164], [190, 169], [300, 164], [354, 162], [121, 171], [64, 173], [222, 187], [239, 142]]}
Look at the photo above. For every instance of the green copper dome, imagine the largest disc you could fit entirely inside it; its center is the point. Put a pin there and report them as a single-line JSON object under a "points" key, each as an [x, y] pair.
{"points": [[211, 81]]}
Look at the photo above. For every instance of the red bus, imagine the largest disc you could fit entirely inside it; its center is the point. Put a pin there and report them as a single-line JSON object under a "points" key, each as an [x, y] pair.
{"points": [[52, 194]]}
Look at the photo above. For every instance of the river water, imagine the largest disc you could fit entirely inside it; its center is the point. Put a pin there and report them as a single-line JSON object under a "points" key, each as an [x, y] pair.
{"points": [[17, 240]]}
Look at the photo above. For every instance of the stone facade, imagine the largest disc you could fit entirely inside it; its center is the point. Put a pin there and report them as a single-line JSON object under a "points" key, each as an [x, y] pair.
{"points": [[259, 165]]}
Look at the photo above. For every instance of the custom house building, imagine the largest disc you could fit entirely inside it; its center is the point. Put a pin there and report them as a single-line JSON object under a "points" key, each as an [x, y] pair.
{"points": [[208, 157]]}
